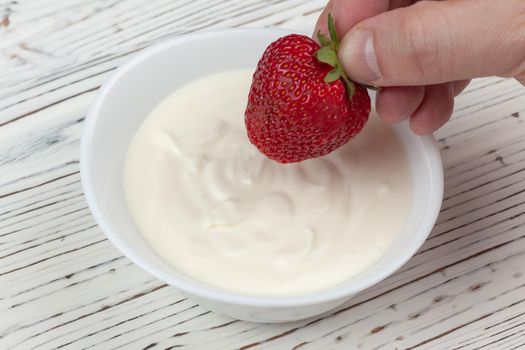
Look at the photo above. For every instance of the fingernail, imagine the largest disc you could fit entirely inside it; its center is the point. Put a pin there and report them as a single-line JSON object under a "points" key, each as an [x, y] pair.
{"points": [[358, 56]]}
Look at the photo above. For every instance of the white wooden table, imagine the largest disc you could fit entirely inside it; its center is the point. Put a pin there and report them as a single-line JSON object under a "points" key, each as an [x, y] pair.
{"points": [[63, 285]]}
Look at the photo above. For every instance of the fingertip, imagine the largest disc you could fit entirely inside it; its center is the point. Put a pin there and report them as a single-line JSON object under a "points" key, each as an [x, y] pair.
{"points": [[435, 109], [420, 129], [395, 104]]}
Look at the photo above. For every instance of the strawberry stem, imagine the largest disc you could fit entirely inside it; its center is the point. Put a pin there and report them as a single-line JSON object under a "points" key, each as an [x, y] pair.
{"points": [[333, 32], [328, 54]]}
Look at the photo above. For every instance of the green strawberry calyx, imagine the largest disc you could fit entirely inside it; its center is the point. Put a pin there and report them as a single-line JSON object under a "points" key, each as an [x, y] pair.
{"points": [[328, 54]]}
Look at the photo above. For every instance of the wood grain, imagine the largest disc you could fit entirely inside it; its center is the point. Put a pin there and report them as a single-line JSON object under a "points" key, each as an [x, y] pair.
{"points": [[64, 286]]}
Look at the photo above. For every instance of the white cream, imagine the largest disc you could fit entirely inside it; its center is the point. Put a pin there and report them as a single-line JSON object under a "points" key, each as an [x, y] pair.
{"points": [[222, 213]]}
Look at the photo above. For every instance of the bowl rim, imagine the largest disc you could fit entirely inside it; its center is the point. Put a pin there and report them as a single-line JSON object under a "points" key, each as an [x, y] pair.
{"points": [[212, 293]]}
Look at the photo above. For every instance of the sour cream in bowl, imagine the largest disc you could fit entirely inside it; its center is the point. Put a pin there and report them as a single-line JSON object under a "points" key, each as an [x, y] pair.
{"points": [[175, 184]]}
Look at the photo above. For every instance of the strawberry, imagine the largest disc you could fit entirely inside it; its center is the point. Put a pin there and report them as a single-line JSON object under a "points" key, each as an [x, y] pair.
{"points": [[301, 105]]}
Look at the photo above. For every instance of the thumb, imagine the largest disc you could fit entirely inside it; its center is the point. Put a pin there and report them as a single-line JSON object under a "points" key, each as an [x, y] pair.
{"points": [[434, 42]]}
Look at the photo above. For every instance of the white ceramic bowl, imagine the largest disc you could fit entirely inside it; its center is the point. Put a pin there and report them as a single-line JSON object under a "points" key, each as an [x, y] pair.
{"points": [[123, 103]]}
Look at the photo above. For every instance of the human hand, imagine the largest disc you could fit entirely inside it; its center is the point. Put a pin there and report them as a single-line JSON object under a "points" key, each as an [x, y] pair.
{"points": [[424, 53]]}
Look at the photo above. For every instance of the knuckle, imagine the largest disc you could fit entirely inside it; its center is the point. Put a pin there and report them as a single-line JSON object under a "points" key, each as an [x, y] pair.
{"points": [[423, 49]]}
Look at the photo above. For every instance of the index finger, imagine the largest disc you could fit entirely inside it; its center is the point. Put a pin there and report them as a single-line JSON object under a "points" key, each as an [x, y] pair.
{"points": [[347, 13]]}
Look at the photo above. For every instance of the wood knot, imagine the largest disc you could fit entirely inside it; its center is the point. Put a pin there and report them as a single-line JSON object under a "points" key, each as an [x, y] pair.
{"points": [[439, 298], [377, 329], [477, 286], [414, 316]]}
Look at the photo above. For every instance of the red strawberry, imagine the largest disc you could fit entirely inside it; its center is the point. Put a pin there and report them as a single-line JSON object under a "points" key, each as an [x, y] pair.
{"points": [[301, 105]]}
